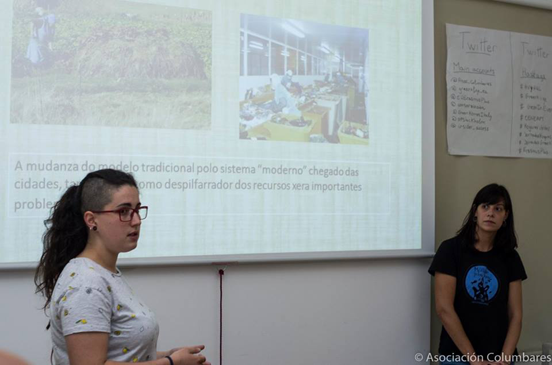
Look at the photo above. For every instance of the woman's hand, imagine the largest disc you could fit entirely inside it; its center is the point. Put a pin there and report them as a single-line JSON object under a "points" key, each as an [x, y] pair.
{"points": [[170, 352], [188, 356]]}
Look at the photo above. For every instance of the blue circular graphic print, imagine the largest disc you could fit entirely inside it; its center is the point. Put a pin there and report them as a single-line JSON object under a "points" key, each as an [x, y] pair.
{"points": [[481, 284]]}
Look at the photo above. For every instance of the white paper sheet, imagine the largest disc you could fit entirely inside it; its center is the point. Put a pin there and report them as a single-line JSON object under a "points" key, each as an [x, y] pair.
{"points": [[498, 93]]}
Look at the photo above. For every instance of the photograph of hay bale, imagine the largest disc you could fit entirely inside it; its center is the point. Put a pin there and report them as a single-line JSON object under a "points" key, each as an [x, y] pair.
{"points": [[111, 63], [302, 81]]}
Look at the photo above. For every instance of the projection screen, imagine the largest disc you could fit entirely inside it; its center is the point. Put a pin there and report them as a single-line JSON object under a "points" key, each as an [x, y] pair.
{"points": [[257, 130]]}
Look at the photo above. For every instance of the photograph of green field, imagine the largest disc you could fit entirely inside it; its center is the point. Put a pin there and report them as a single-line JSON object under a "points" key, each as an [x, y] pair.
{"points": [[111, 63]]}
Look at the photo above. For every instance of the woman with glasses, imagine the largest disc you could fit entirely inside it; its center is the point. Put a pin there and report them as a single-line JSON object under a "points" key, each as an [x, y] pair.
{"points": [[478, 278], [95, 316]]}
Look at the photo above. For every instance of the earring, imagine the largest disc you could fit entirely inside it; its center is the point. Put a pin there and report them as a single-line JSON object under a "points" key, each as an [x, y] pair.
{"points": [[504, 223], [475, 218], [93, 228]]}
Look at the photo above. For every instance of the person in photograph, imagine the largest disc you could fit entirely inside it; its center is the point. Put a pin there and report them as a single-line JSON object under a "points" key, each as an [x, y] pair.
{"points": [[287, 81], [39, 50], [95, 316], [478, 275], [362, 78], [283, 100], [341, 81]]}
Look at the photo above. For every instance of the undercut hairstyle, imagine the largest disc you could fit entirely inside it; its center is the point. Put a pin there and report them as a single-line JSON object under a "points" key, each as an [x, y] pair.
{"points": [[505, 239], [66, 233]]}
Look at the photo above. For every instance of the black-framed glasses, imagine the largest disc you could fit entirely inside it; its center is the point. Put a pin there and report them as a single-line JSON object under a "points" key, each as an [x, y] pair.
{"points": [[127, 213]]}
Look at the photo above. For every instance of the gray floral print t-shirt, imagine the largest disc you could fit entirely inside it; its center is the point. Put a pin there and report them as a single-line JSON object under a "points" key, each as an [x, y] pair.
{"points": [[90, 298]]}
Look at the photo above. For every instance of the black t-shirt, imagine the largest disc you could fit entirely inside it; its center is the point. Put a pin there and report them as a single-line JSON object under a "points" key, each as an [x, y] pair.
{"points": [[481, 300]]}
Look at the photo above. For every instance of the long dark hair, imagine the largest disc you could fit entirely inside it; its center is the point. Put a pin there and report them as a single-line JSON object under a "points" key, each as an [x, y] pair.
{"points": [[505, 238], [66, 232]]}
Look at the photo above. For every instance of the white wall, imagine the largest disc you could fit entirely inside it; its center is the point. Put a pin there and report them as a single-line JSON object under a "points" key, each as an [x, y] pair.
{"points": [[344, 312]]}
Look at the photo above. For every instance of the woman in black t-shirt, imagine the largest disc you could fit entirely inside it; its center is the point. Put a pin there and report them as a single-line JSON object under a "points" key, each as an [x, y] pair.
{"points": [[478, 278]]}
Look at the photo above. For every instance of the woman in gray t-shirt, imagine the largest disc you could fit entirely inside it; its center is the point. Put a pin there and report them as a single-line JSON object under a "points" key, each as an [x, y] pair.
{"points": [[95, 316]]}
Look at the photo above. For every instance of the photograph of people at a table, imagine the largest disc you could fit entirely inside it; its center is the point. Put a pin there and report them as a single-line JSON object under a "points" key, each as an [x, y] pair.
{"points": [[302, 81]]}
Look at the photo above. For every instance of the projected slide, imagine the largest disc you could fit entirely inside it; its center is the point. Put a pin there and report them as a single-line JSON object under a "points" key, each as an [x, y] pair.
{"points": [[253, 130], [111, 63], [311, 91]]}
